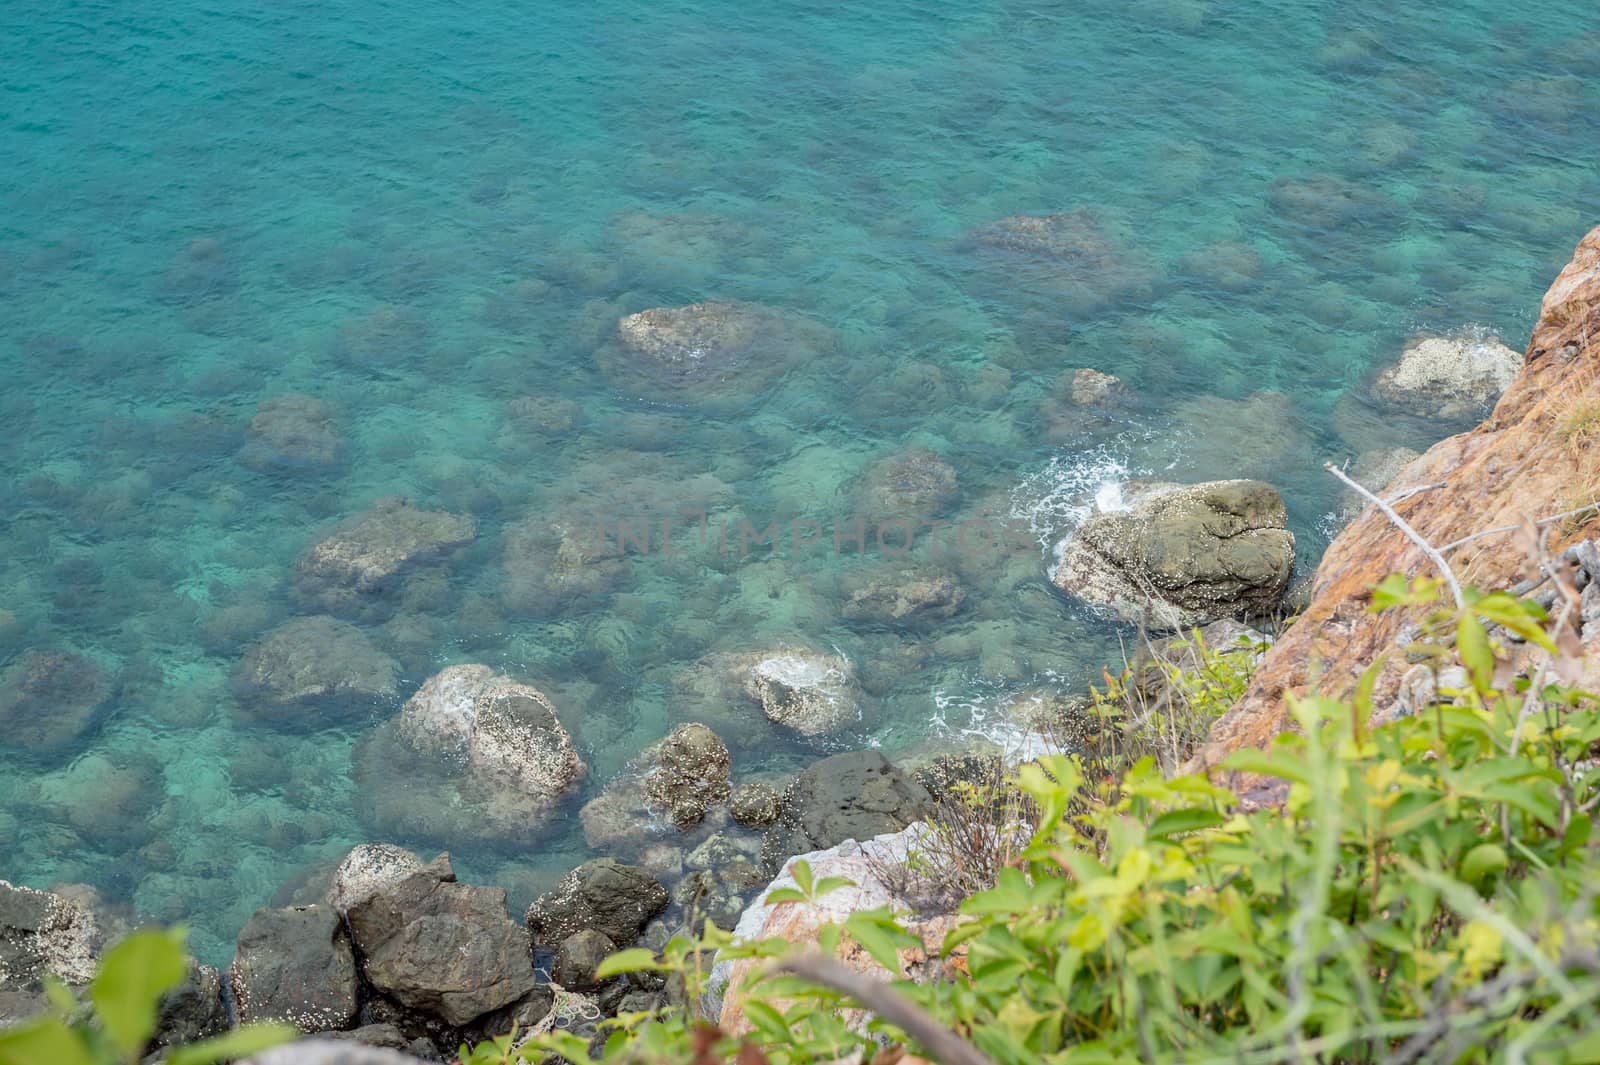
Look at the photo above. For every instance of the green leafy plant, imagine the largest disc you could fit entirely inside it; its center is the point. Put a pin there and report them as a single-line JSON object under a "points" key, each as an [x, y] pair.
{"points": [[119, 1020], [1421, 890]]}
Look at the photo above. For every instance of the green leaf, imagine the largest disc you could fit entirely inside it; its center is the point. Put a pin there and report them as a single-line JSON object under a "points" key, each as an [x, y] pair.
{"points": [[133, 977], [784, 894], [830, 883], [46, 1041], [1178, 822], [239, 1043], [881, 936], [1481, 861], [1472, 645], [636, 960], [801, 870]]}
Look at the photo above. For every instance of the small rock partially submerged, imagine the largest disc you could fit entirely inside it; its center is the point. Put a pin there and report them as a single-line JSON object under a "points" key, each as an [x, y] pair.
{"points": [[1448, 377], [667, 789], [1183, 555], [472, 755], [810, 693]]}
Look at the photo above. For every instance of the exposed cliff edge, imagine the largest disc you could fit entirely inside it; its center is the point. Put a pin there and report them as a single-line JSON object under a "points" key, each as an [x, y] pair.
{"points": [[1537, 455]]}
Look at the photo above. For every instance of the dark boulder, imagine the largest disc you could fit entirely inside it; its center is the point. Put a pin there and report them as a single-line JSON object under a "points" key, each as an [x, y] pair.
{"points": [[440, 947], [579, 955], [603, 895], [295, 965], [857, 795]]}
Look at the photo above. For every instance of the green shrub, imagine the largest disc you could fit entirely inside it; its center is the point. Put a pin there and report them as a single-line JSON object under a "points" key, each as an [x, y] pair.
{"points": [[117, 1023], [1420, 891]]}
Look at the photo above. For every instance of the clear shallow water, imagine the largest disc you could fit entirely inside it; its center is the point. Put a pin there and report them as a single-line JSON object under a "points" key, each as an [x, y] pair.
{"points": [[420, 214]]}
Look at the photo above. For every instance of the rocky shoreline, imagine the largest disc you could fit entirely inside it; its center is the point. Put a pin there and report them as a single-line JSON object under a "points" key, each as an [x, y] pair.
{"points": [[397, 953]]}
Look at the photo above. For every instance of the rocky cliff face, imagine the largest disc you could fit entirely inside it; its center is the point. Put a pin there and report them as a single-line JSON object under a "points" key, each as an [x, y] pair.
{"points": [[1538, 454]]}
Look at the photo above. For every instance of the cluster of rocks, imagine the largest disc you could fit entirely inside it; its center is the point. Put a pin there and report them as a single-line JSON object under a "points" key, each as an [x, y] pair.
{"points": [[399, 954]]}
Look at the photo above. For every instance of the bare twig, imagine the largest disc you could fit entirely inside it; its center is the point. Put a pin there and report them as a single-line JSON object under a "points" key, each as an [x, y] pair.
{"points": [[943, 1045], [1551, 520], [1411, 534]]}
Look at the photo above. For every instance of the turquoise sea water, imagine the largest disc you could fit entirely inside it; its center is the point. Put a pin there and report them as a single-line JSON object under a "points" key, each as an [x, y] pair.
{"points": [[425, 214]]}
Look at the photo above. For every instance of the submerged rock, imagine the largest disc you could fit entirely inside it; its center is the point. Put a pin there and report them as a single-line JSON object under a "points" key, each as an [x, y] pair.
{"points": [[1183, 555], [472, 755], [315, 672], [914, 484], [604, 896], [1448, 377], [51, 700], [905, 597], [689, 353], [668, 788], [293, 433], [295, 965], [447, 949], [1075, 254], [849, 796], [358, 568], [549, 565]]}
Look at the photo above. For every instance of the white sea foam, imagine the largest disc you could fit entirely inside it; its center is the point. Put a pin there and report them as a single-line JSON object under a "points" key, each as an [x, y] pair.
{"points": [[1056, 499]]}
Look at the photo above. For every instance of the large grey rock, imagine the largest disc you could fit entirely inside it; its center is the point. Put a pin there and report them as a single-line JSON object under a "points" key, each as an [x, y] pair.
{"points": [[359, 567], [295, 965], [1182, 555], [667, 789], [603, 895], [857, 795], [472, 755], [447, 949], [49, 701], [42, 935], [315, 671], [1448, 377]]}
